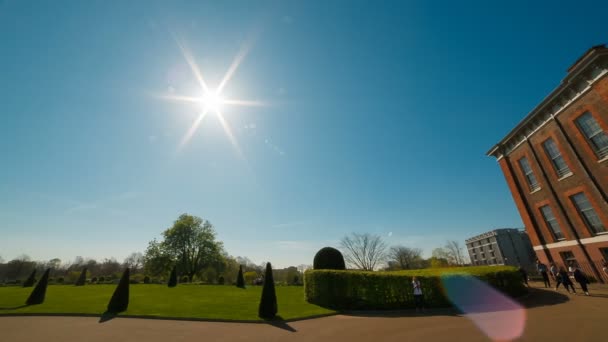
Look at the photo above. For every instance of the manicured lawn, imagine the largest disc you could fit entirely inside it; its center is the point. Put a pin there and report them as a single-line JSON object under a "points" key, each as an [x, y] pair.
{"points": [[184, 301]]}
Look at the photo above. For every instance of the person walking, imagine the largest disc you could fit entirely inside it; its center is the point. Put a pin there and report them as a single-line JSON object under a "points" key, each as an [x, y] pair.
{"points": [[418, 299], [524, 275], [563, 278], [542, 269], [553, 270], [581, 279]]}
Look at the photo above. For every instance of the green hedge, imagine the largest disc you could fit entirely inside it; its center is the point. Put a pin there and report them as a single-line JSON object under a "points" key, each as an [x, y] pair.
{"points": [[393, 290]]}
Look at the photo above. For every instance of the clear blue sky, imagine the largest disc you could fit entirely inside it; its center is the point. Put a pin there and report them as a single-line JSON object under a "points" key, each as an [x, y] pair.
{"points": [[377, 119]]}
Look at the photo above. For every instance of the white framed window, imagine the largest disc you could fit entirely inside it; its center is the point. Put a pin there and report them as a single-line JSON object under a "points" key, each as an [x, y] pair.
{"points": [[527, 170], [596, 136], [551, 222], [559, 164], [588, 213]]}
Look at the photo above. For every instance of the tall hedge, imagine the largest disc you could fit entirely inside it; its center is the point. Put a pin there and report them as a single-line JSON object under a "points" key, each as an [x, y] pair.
{"points": [[31, 280], [120, 299], [328, 258], [240, 280], [82, 278], [268, 304], [37, 296], [173, 278], [393, 290]]}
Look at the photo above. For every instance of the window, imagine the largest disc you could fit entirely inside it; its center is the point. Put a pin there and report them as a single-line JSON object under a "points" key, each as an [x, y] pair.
{"points": [[604, 252], [559, 164], [483, 256], [551, 222], [568, 258], [527, 170], [588, 213], [492, 254], [598, 139]]}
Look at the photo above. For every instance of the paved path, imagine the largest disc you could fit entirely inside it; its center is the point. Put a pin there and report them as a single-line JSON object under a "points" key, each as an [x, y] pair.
{"points": [[551, 316]]}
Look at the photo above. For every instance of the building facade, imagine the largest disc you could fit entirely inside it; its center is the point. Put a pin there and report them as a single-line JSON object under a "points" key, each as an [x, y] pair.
{"points": [[555, 163], [506, 246]]}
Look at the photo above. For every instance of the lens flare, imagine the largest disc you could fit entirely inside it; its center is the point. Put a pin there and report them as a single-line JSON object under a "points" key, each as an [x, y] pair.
{"points": [[496, 315]]}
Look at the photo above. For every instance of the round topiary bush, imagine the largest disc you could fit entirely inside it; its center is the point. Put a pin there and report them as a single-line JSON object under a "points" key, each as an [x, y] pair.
{"points": [[221, 280], [94, 280], [185, 279], [146, 280], [329, 258], [102, 279]]}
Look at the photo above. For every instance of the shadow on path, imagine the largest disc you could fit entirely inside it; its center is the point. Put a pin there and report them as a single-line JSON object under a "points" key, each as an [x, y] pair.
{"points": [[543, 297], [15, 307], [107, 316], [402, 313], [278, 322]]}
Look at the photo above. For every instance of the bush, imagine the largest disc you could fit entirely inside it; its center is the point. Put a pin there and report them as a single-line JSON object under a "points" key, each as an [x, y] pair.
{"points": [[268, 303], [329, 258], [37, 296], [94, 280], [102, 279], [146, 280], [82, 278], [29, 282], [120, 299], [60, 280], [185, 279], [240, 281], [392, 290], [220, 280], [173, 278]]}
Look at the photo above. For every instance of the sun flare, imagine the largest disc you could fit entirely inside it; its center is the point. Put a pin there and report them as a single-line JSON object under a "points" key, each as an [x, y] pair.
{"points": [[212, 101]]}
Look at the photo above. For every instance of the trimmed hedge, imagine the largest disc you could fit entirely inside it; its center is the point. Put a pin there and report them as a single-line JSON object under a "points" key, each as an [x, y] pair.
{"points": [[393, 290]]}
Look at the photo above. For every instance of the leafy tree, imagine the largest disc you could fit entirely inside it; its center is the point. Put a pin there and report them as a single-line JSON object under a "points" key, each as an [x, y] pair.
{"points": [[82, 278], [250, 277], [268, 303], [436, 262], [156, 261], [190, 243], [120, 299], [37, 296], [29, 282], [173, 277], [240, 281], [364, 251], [405, 258], [54, 264]]}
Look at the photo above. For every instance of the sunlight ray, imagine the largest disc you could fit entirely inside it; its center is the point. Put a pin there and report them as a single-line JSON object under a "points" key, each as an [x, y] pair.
{"points": [[235, 64], [182, 98], [246, 103], [192, 130], [231, 136], [190, 59]]}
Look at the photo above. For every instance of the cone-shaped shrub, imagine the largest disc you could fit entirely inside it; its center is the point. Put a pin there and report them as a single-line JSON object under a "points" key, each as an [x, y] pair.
{"points": [[83, 278], [268, 303], [240, 280], [120, 299], [173, 278], [329, 258], [29, 282], [37, 296]]}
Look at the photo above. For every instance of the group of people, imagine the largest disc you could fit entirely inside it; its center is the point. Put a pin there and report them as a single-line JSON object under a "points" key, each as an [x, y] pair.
{"points": [[561, 276]]}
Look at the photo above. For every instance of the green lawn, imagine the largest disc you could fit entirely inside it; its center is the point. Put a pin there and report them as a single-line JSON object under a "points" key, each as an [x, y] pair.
{"points": [[185, 301]]}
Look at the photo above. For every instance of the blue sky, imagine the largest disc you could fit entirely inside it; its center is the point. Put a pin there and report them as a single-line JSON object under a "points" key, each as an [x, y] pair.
{"points": [[377, 118]]}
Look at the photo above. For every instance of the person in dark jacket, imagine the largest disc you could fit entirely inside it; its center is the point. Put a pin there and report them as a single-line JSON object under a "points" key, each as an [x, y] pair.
{"points": [[542, 269], [580, 278], [563, 278], [524, 275]]}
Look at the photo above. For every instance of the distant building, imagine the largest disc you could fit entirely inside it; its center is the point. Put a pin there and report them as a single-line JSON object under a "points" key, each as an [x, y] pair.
{"points": [[506, 246], [555, 162]]}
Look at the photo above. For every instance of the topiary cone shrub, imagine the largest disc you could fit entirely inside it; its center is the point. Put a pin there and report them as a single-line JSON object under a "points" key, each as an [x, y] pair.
{"points": [[37, 296], [173, 278], [120, 299], [82, 278], [29, 282], [268, 303], [329, 258], [240, 280], [220, 280]]}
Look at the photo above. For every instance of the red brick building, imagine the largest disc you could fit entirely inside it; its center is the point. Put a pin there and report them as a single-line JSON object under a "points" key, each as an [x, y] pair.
{"points": [[555, 162]]}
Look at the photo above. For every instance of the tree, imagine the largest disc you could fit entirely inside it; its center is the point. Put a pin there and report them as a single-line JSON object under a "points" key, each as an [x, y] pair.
{"points": [[240, 281], [54, 263], [156, 261], [190, 243], [134, 261], [37, 296], [82, 278], [405, 258], [455, 252], [120, 299], [268, 304], [364, 251]]}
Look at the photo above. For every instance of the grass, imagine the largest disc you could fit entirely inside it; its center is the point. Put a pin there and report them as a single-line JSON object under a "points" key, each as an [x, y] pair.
{"points": [[185, 301]]}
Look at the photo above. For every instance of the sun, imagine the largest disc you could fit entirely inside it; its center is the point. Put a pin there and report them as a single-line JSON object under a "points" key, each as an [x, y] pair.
{"points": [[212, 101]]}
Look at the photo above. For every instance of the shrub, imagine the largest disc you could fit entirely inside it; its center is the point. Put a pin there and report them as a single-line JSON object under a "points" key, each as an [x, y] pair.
{"points": [[240, 281], [268, 303], [329, 258], [60, 280], [250, 277], [120, 299], [94, 280], [102, 279], [146, 280], [29, 282], [220, 280], [82, 278], [185, 279], [51, 280], [392, 290], [173, 278], [37, 296]]}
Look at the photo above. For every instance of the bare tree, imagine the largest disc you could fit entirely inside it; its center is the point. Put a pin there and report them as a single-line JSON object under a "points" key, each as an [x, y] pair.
{"points": [[452, 252], [364, 251], [405, 257], [134, 261]]}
